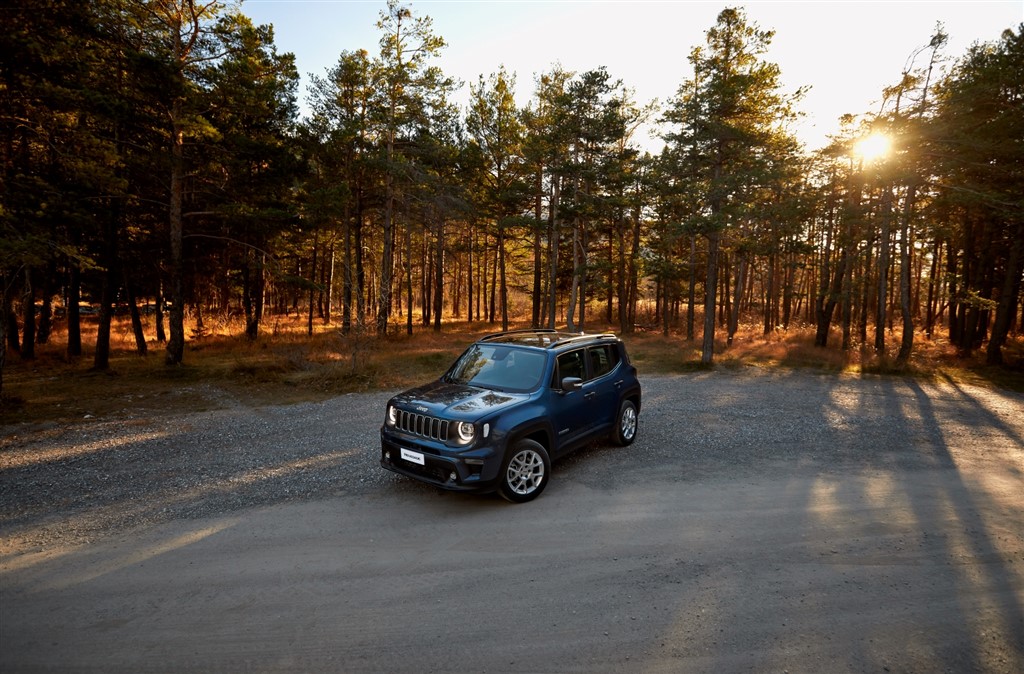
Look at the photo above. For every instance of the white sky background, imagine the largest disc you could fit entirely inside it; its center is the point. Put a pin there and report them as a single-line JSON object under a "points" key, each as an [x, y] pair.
{"points": [[845, 51]]}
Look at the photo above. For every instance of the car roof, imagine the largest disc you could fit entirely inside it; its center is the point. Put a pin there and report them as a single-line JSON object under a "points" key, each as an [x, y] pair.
{"points": [[545, 338]]}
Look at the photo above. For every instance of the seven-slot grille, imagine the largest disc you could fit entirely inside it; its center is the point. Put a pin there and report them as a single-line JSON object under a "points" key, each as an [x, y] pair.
{"points": [[421, 424]]}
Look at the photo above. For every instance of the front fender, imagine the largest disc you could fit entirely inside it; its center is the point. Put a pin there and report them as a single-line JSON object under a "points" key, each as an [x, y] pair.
{"points": [[529, 420]]}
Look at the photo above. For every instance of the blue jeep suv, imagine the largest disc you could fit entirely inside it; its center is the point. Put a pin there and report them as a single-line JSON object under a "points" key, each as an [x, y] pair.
{"points": [[511, 404]]}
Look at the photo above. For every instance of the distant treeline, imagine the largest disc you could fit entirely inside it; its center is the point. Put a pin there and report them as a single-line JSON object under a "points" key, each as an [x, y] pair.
{"points": [[154, 156]]}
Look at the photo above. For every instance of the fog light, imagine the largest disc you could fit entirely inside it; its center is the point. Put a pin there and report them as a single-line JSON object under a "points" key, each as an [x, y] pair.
{"points": [[452, 477], [387, 456]]}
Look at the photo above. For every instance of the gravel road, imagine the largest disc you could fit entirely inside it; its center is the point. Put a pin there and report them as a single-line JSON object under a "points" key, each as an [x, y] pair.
{"points": [[763, 520]]}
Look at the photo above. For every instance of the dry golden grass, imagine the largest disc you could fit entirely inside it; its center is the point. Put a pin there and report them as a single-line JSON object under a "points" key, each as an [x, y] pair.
{"points": [[287, 365]]}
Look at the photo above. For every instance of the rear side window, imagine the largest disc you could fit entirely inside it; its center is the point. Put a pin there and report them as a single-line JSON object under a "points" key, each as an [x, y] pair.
{"points": [[603, 359], [570, 364]]}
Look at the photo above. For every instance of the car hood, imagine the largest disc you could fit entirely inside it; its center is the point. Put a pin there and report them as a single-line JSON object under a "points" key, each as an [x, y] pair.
{"points": [[455, 401]]}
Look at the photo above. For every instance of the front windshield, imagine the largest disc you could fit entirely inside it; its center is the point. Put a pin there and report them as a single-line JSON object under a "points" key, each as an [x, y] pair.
{"points": [[498, 367]]}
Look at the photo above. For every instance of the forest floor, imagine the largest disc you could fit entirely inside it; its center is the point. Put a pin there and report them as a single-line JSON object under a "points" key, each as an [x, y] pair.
{"points": [[287, 365]]}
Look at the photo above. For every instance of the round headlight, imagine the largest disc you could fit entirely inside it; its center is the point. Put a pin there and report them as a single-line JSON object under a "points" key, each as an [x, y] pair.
{"points": [[392, 415], [465, 431]]}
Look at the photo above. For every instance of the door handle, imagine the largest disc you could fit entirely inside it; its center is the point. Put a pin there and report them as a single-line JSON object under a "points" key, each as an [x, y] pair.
{"points": [[588, 396]]}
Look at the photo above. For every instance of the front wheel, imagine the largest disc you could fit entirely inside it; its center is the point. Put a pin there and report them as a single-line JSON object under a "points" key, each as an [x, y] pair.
{"points": [[626, 423], [525, 472]]}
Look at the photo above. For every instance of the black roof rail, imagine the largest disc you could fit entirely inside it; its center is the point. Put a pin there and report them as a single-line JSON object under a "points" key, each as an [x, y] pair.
{"points": [[581, 337], [523, 331], [560, 338]]}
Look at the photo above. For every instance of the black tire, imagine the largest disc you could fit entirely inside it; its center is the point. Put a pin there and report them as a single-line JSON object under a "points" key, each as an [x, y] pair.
{"points": [[626, 424], [524, 472]]}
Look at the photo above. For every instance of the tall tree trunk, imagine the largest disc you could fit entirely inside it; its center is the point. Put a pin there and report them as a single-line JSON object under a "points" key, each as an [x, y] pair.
{"points": [[691, 293], [28, 312], [251, 326], [133, 308], [347, 276], [312, 283], [710, 288], [481, 277], [584, 270], [734, 314], [503, 282], [176, 322], [259, 288], [439, 276], [906, 311], [633, 298], [866, 296], [771, 318], [538, 263], [1008, 293], [387, 254], [469, 276], [493, 306], [883, 270], [4, 306], [74, 297], [426, 280], [929, 320], [10, 320], [822, 320], [954, 320], [553, 234], [725, 304], [327, 286], [613, 278], [408, 278], [111, 280], [357, 251], [570, 311], [200, 330], [849, 255], [161, 336], [830, 300], [101, 357], [846, 308], [788, 283], [46, 310]]}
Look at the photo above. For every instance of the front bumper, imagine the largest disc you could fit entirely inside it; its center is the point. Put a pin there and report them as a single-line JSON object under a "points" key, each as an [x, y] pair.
{"points": [[475, 471]]}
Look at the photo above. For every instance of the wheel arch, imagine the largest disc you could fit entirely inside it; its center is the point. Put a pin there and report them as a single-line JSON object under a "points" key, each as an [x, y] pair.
{"points": [[539, 433], [633, 397]]}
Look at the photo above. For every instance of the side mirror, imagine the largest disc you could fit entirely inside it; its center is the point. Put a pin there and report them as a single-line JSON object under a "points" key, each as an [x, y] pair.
{"points": [[570, 384]]}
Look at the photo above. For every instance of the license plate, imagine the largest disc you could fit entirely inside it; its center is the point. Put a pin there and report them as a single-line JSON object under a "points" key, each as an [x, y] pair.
{"points": [[413, 457]]}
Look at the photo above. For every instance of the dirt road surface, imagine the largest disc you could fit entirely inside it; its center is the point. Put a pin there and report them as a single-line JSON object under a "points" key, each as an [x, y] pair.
{"points": [[767, 522]]}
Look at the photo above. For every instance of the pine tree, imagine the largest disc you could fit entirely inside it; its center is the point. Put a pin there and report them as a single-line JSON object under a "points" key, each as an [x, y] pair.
{"points": [[407, 88], [727, 116], [496, 126]]}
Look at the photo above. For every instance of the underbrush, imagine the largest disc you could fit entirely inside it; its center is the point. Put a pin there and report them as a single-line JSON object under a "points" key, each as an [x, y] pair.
{"points": [[288, 365]]}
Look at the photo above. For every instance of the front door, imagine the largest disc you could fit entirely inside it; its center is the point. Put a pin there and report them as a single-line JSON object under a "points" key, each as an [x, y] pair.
{"points": [[570, 416]]}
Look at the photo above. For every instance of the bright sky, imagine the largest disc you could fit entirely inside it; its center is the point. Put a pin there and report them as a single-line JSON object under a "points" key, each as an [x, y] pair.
{"points": [[847, 52]]}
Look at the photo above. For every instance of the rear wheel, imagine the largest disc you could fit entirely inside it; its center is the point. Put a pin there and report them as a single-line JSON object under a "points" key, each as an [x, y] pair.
{"points": [[625, 424], [525, 472]]}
